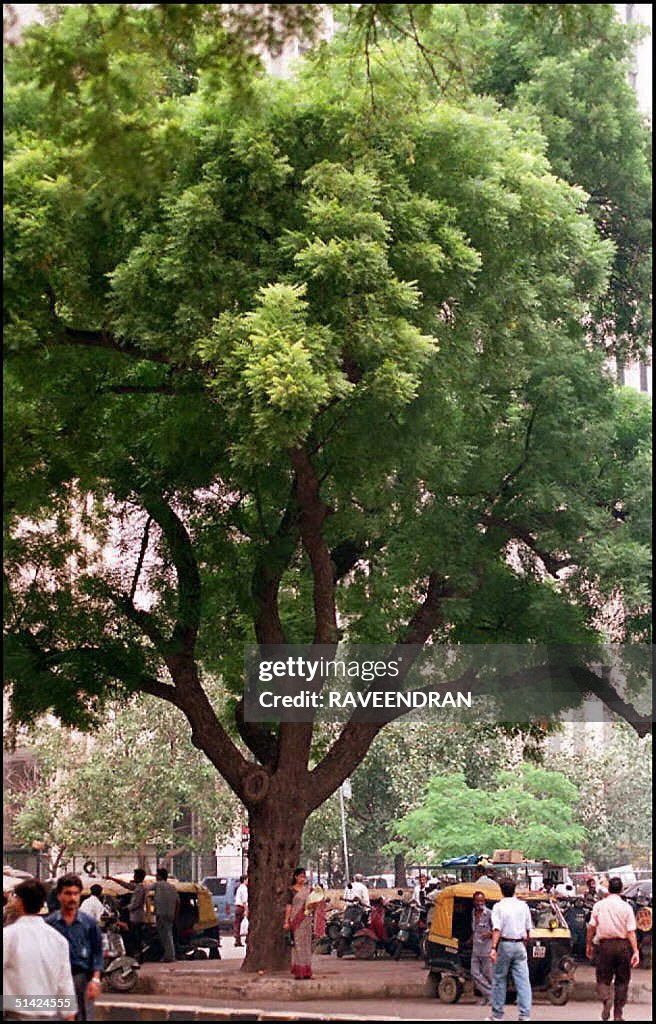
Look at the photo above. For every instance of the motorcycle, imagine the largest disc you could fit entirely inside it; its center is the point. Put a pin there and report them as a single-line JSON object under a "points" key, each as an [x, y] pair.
{"points": [[354, 918], [120, 972], [410, 930], [328, 942], [380, 933], [577, 915]]}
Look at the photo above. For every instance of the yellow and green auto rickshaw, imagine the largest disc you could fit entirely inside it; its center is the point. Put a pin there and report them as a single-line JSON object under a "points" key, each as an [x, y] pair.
{"points": [[448, 949], [196, 927]]}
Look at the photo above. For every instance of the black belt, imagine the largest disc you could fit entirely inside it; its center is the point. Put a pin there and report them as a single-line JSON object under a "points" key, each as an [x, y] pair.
{"points": [[510, 940]]}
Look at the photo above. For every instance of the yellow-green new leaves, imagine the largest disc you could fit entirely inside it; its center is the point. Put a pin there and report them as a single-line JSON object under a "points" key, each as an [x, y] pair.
{"points": [[274, 371]]}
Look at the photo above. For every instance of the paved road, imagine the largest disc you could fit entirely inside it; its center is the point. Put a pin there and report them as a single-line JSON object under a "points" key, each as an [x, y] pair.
{"points": [[381, 1010], [376, 1009]]}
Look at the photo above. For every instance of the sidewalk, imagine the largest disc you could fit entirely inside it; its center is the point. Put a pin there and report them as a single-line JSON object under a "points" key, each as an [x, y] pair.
{"points": [[333, 979]]}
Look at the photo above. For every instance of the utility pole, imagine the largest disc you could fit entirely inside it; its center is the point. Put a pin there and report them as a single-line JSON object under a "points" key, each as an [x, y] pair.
{"points": [[345, 793]]}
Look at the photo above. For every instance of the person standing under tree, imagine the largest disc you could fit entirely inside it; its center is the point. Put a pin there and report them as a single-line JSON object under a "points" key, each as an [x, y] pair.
{"points": [[298, 926], [136, 907], [613, 922], [481, 965], [167, 903], [241, 908]]}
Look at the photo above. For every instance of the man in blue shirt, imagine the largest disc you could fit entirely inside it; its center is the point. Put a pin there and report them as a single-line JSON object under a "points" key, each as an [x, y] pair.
{"points": [[84, 944]]}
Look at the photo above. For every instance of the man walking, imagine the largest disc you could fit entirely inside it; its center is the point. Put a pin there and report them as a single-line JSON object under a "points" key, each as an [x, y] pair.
{"points": [[84, 944], [481, 965], [35, 960], [167, 903], [241, 908], [511, 927], [613, 922]]}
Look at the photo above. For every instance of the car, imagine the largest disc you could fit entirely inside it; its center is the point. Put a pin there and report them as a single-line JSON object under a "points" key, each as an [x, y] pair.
{"points": [[640, 890], [380, 881], [223, 891]]}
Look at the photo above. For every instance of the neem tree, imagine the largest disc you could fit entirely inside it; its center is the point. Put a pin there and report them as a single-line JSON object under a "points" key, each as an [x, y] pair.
{"points": [[312, 367]]}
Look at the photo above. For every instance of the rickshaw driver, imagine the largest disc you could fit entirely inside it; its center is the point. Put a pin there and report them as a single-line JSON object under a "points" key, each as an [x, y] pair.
{"points": [[511, 927]]}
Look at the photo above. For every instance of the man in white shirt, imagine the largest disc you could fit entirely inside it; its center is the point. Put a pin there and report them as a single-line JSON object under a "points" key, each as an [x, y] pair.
{"points": [[359, 889], [35, 960], [511, 927], [613, 924], [419, 891], [93, 905], [241, 908]]}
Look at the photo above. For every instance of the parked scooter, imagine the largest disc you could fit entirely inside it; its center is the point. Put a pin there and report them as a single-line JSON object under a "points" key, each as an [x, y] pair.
{"points": [[410, 930], [327, 942], [353, 920], [120, 972], [379, 935]]}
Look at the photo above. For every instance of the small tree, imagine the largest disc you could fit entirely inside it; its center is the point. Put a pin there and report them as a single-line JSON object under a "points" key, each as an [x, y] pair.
{"points": [[126, 786], [532, 810]]}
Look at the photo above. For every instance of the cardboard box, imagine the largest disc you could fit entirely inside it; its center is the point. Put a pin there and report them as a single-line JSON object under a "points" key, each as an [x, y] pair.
{"points": [[507, 857]]}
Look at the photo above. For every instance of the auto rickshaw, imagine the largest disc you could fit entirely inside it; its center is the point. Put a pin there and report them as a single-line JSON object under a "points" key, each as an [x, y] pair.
{"points": [[448, 950], [196, 929]]}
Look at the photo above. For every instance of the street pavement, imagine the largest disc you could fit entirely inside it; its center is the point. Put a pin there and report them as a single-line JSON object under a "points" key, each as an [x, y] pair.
{"points": [[125, 1008], [342, 989]]}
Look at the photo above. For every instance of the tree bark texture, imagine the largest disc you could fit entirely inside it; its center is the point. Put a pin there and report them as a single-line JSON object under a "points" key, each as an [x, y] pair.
{"points": [[276, 825]]}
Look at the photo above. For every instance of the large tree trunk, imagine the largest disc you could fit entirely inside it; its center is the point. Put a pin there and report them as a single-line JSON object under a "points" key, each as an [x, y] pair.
{"points": [[276, 825]]}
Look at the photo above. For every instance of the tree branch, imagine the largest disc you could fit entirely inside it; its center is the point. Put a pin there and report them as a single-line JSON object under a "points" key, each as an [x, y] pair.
{"points": [[260, 740], [140, 560], [147, 389], [608, 695], [429, 614], [185, 631], [103, 339], [313, 513], [552, 563], [267, 574]]}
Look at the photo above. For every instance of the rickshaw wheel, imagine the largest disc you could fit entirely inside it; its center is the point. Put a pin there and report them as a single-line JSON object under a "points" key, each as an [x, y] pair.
{"points": [[559, 994], [449, 989], [122, 981]]}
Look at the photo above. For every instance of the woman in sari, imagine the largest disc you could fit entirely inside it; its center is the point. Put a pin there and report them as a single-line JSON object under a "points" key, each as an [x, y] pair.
{"points": [[298, 923]]}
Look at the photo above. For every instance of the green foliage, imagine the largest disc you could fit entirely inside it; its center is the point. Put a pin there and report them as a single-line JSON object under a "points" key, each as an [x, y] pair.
{"points": [[392, 778], [126, 787], [530, 809], [614, 779], [195, 287]]}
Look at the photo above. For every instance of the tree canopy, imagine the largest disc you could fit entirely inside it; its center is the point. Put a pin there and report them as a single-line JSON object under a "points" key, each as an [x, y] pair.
{"points": [[532, 810], [290, 369]]}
